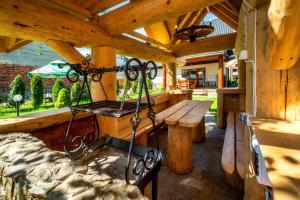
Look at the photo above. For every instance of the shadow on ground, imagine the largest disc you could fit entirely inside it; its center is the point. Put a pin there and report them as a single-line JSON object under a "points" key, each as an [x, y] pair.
{"points": [[207, 181]]}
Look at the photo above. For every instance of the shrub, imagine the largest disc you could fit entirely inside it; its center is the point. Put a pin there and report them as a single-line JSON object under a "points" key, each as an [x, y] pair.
{"points": [[17, 86], [118, 87], [63, 99], [58, 85], [135, 86], [75, 91], [37, 90], [149, 84], [126, 85]]}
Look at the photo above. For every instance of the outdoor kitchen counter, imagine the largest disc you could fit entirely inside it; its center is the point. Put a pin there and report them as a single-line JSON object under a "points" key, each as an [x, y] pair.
{"points": [[280, 145]]}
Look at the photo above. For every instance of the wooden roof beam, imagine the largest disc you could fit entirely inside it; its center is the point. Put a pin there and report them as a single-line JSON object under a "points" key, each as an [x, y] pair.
{"points": [[158, 31], [144, 12], [232, 5], [69, 8], [8, 44], [205, 45], [102, 5], [220, 14], [149, 40], [19, 19]]}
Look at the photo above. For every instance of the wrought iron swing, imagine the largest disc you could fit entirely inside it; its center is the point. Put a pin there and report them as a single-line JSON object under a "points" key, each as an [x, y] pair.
{"points": [[148, 165]]}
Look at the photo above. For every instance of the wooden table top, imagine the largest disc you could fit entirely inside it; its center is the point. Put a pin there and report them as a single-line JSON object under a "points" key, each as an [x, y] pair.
{"points": [[280, 145], [187, 113]]}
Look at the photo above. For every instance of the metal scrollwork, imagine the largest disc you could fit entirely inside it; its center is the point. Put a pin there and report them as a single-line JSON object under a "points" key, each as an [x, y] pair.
{"points": [[83, 144]]}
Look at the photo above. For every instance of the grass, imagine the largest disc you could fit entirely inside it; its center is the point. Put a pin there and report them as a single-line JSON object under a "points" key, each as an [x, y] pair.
{"points": [[10, 112], [213, 107]]}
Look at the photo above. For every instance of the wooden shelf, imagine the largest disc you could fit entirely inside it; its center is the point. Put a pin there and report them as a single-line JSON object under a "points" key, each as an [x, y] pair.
{"points": [[280, 145]]}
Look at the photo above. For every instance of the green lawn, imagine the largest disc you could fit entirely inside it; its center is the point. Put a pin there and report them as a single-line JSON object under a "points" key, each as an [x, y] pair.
{"points": [[10, 112], [213, 107]]}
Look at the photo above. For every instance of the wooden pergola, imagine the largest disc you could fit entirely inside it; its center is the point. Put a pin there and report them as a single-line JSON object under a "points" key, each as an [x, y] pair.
{"points": [[266, 43]]}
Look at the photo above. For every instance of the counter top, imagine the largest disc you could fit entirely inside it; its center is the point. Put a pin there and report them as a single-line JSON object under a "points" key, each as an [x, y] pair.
{"points": [[280, 145]]}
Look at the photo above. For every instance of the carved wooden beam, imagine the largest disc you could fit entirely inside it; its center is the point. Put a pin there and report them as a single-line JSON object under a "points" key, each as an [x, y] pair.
{"points": [[283, 49]]}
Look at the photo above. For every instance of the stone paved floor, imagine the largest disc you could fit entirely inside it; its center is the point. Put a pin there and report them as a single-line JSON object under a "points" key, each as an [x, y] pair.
{"points": [[207, 181]]}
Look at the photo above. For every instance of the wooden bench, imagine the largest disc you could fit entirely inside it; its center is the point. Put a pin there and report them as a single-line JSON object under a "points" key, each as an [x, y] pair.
{"points": [[233, 151], [185, 120]]}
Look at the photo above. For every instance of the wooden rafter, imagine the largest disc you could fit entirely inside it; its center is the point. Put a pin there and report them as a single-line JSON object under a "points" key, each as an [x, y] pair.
{"points": [[232, 5], [205, 45], [232, 22], [22, 21], [102, 5], [144, 12], [8, 44], [171, 25], [158, 31], [68, 7], [149, 40]]}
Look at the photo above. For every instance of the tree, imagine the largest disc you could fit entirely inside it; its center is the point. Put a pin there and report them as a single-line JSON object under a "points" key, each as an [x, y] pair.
{"points": [[75, 91], [58, 85], [37, 90], [63, 99], [17, 86]]}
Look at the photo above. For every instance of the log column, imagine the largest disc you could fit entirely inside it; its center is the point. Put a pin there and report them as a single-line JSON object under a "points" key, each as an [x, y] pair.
{"points": [[104, 57], [221, 72], [242, 74], [171, 76], [164, 75]]}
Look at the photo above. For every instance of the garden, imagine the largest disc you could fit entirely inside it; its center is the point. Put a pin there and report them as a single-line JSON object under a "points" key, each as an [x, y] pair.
{"points": [[61, 96]]}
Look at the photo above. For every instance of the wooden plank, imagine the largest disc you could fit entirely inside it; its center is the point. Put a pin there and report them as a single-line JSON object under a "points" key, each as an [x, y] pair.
{"points": [[179, 149], [240, 155], [196, 115], [160, 117], [230, 22], [279, 143], [175, 117], [228, 160], [37, 120]]}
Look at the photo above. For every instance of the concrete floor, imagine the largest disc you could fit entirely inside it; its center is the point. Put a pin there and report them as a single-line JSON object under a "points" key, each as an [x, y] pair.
{"points": [[206, 181]]}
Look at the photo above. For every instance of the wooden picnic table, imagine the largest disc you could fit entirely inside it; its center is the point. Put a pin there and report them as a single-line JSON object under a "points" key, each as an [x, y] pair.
{"points": [[186, 123]]}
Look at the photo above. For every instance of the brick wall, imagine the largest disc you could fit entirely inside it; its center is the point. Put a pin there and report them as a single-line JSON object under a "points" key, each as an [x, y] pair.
{"points": [[9, 71]]}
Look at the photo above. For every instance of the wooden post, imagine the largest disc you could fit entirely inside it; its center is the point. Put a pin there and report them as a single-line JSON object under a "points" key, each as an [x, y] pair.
{"points": [[171, 76], [164, 75], [221, 72], [179, 149], [242, 74], [104, 57]]}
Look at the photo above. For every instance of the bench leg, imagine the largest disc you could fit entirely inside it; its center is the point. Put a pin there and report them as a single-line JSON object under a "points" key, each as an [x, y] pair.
{"points": [[198, 134], [179, 149]]}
